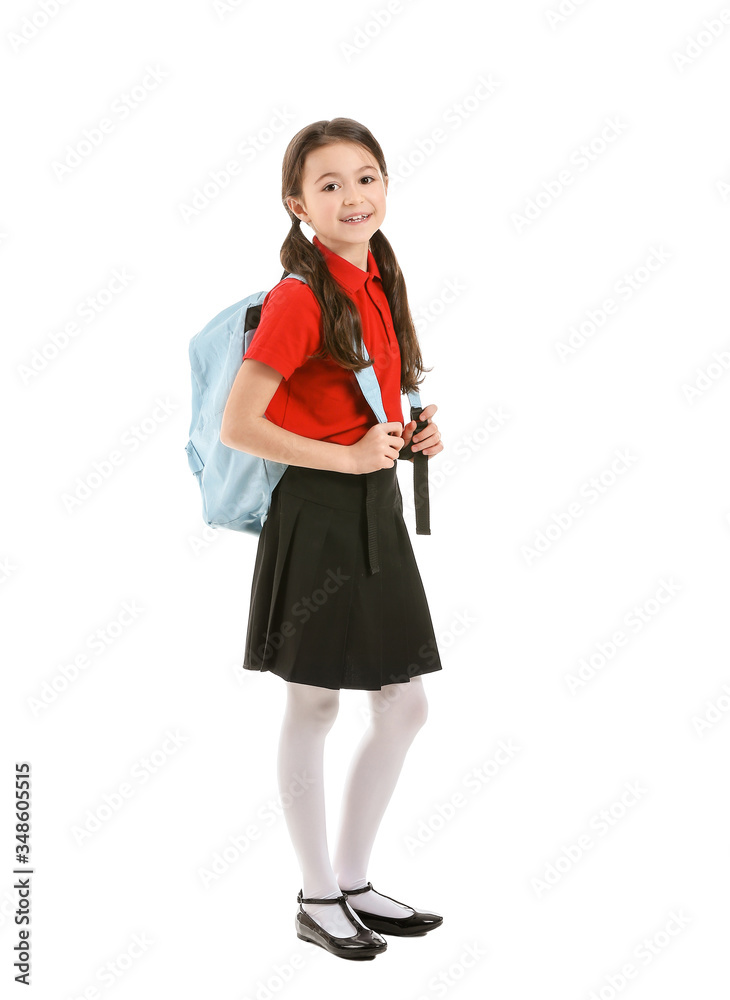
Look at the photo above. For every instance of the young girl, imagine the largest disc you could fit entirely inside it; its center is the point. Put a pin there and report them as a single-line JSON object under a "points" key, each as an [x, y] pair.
{"points": [[337, 600]]}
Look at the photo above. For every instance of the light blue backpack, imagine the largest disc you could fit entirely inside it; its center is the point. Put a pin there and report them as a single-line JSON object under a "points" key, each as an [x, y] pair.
{"points": [[236, 487]]}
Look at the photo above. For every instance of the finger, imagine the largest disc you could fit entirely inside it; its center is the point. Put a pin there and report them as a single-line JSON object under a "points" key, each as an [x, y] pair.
{"points": [[431, 430], [427, 442], [426, 431]]}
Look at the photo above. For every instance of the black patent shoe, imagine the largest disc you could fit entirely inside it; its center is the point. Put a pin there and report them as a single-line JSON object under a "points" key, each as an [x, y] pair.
{"points": [[364, 944], [416, 924]]}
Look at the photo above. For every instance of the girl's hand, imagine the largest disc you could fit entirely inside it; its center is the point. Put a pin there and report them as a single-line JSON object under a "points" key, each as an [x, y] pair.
{"points": [[376, 449], [429, 439]]}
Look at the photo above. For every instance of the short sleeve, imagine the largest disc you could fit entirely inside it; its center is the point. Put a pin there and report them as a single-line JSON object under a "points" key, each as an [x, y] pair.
{"points": [[289, 330]]}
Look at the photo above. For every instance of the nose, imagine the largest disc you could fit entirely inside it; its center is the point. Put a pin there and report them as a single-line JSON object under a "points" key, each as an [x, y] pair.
{"points": [[353, 194]]}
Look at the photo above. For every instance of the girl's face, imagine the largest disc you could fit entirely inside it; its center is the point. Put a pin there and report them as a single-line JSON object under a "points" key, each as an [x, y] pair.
{"points": [[340, 181]]}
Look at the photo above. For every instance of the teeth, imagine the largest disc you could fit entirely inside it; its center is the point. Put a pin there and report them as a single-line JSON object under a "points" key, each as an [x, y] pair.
{"points": [[355, 218]]}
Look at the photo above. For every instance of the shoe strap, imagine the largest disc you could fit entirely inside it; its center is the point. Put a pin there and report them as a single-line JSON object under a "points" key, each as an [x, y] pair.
{"points": [[354, 892], [364, 888], [338, 899], [313, 899]]}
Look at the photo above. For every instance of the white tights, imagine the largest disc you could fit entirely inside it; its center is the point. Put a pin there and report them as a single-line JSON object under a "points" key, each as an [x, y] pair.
{"points": [[397, 712]]}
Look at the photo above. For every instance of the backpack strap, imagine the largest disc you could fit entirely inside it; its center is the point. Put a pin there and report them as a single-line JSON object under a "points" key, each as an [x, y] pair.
{"points": [[371, 390], [420, 470], [370, 386]]}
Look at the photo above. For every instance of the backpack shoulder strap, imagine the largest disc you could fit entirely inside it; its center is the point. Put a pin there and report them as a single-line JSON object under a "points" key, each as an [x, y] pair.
{"points": [[370, 386], [367, 378]]}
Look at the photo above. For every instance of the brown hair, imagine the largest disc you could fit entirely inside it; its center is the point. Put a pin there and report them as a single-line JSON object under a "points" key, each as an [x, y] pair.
{"points": [[341, 325]]}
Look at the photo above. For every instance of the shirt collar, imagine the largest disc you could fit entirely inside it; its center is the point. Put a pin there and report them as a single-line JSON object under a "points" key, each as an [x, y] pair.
{"points": [[350, 275]]}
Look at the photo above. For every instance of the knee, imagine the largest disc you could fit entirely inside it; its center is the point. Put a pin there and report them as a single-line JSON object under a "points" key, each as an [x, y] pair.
{"points": [[317, 707], [402, 705], [325, 708], [418, 707]]}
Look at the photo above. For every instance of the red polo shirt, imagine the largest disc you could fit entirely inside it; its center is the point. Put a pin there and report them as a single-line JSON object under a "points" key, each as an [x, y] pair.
{"points": [[317, 397]]}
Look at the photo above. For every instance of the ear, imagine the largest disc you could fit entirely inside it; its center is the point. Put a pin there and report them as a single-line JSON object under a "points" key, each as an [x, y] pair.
{"points": [[386, 184], [298, 209]]}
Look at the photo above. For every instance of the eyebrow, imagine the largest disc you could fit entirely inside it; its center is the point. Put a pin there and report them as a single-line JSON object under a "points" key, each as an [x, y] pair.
{"points": [[332, 173]]}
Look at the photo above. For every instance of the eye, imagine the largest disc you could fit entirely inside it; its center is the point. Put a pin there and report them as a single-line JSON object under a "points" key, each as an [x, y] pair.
{"points": [[333, 184]]}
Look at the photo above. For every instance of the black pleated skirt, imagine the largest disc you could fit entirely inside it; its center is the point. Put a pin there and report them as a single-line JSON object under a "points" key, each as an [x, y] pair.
{"points": [[318, 615]]}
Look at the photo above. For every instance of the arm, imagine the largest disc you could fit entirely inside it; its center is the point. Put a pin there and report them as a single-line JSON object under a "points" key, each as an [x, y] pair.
{"points": [[246, 427]]}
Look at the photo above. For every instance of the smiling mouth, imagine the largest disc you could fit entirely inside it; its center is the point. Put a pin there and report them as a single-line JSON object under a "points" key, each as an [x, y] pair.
{"points": [[357, 218]]}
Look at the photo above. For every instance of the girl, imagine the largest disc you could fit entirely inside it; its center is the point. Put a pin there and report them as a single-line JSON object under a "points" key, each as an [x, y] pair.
{"points": [[336, 599]]}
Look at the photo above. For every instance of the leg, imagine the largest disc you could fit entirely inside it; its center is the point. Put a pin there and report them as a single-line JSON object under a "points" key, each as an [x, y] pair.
{"points": [[309, 716], [397, 712]]}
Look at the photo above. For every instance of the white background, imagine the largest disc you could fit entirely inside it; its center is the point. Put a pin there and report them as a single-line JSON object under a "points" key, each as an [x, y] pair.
{"points": [[513, 627]]}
